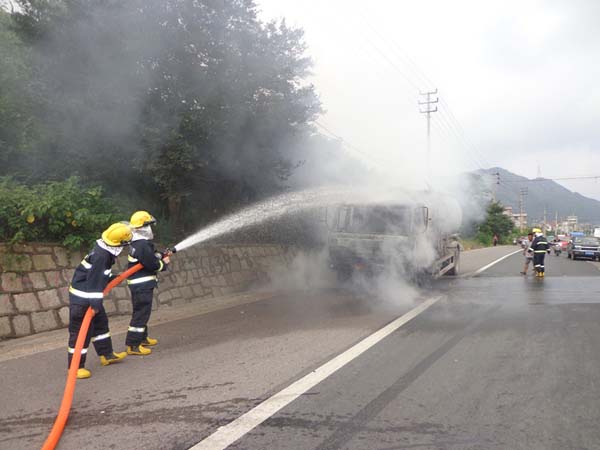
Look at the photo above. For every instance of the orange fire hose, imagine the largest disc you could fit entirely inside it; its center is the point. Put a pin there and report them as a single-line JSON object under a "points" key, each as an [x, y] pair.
{"points": [[65, 406]]}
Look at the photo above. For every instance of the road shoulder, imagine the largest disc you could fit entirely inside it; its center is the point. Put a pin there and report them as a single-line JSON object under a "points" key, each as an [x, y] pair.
{"points": [[473, 260], [51, 340]]}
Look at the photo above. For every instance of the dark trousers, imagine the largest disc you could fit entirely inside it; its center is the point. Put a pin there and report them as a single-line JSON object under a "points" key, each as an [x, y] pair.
{"points": [[98, 332], [538, 262], [142, 307]]}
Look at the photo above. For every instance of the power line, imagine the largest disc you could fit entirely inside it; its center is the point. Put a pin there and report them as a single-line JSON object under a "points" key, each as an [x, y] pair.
{"points": [[459, 139], [352, 147], [445, 110], [538, 180], [447, 120]]}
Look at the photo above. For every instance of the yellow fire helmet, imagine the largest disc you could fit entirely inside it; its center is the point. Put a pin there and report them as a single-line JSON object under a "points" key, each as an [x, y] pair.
{"points": [[117, 235], [536, 230], [141, 218]]}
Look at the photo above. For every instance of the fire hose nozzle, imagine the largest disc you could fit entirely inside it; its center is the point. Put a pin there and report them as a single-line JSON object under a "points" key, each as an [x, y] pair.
{"points": [[169, 251]]}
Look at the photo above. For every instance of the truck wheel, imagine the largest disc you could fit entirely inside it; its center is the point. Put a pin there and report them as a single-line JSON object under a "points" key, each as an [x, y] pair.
{"points": [[456, 269]]}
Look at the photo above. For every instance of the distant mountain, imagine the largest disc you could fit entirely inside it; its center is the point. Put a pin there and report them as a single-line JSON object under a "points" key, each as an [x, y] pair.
{"points": [[543, 193]]}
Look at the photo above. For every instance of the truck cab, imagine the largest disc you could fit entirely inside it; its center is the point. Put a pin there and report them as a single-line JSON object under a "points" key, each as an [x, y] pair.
{"points": [[372, 239]]}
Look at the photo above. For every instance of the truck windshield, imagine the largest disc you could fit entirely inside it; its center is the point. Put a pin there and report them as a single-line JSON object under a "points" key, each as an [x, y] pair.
{"points": [[376, 220]]}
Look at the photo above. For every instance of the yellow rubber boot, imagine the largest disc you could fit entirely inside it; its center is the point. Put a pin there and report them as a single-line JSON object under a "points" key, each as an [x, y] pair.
{"points": [[138, 350], [112, 359], [83, 373], [150, 341]]}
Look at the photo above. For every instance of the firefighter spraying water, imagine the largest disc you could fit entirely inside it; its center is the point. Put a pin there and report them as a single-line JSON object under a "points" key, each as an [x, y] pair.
{"points": [[143, 282]]}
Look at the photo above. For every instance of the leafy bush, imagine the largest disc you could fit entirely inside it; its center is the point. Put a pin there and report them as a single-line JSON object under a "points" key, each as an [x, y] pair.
{"points": [[60, 211]]}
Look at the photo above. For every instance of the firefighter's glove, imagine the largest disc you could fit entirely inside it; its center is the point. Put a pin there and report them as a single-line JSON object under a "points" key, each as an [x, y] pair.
{"points": [[96, 304]]}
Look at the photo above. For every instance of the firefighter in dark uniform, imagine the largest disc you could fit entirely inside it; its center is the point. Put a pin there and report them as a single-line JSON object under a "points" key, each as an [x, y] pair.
{"points": [[539, 247], [86, 290], [142, 283]]}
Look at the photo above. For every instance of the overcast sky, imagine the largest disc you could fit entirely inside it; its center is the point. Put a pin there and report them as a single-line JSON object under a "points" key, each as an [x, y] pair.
{"points": [[519, 79]]}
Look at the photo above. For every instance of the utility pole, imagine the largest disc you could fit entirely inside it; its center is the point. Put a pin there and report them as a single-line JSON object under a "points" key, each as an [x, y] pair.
{"points": [[425, 107], [545, 226], [522, 194], [494, 188]]}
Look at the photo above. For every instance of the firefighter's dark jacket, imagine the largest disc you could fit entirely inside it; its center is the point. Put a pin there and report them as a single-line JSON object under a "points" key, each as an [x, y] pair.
{"points": [[143, 251], [540, 245], [91, 276]]}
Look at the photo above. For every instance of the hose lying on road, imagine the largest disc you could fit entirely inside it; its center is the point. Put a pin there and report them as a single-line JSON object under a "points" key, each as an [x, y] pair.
{"points": [[65, 406]]}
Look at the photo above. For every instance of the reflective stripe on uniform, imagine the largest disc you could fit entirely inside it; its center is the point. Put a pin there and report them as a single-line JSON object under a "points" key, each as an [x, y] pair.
{"points": [[131, 259], [540, 251], [72, 350], [108, 272], [82, 294], [161, 265], [137, 329], [101, 336], [86, 264], [142, 279]]}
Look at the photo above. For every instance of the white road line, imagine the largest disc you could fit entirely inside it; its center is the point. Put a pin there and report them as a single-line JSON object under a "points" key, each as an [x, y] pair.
{"points": [[496, 262], [228, 434]]}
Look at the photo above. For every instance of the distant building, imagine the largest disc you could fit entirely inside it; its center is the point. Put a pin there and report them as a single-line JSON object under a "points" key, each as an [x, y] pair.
{"points": [[571, 224], [587, 228], [520, 220]]}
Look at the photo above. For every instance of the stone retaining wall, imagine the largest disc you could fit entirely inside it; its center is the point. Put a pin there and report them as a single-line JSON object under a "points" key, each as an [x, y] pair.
{"points": [[34, 281]]}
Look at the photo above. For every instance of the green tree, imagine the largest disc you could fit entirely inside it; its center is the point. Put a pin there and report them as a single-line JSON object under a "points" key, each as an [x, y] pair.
{"points": [[496, 223], [18, 129], [63, 211], [232, 90], [171, 101]]}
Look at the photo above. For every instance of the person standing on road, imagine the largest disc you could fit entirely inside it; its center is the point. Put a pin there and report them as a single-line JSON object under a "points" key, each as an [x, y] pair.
{"points": [[86, 290], [528, 256], [142, 283], [539, 247], [495, 239]]}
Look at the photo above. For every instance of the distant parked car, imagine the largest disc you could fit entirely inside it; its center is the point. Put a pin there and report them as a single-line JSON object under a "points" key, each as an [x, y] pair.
{"points": [[584, 247]]}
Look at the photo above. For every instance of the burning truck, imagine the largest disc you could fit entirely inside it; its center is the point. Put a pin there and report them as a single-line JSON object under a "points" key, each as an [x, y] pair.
{"points": [[409, 239]]}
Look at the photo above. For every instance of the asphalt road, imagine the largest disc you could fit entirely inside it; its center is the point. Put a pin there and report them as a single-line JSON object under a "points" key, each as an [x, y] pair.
{"points": [[505, 362], [502, 361]]}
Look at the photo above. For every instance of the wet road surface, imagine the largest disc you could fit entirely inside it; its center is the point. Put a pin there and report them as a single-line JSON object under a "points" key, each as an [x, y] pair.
{"points": [[506, 362], [501, 362]]}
